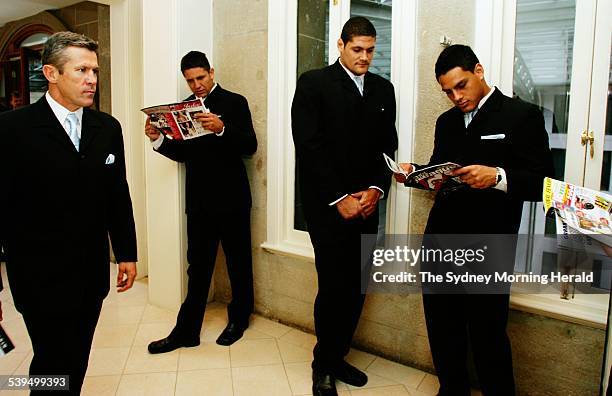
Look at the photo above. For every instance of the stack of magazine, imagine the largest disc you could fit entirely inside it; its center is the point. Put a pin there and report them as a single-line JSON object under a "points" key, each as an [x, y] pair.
{"points": [[580, 213]]}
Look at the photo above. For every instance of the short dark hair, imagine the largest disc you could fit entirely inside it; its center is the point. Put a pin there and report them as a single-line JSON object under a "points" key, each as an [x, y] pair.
{"points": [[357, 26], [53, 51], [194, 59], [456, 55]]}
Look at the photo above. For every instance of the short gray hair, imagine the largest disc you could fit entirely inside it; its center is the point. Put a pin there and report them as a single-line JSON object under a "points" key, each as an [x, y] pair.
{"points": [[53, 53]]}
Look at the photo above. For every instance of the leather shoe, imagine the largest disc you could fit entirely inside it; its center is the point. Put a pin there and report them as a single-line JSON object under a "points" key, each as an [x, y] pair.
{"points": [[232, 333], [323, 385], [171, 343], [350, 374]]}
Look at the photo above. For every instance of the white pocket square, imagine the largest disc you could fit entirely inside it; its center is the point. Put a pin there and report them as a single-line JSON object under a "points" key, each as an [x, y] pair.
{"points": [[110, 159], [498, 136]]}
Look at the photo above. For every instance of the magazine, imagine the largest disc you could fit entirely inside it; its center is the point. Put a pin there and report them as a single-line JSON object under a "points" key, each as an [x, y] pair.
{"points": [[581, 209], [429, 178], [176, 120]]}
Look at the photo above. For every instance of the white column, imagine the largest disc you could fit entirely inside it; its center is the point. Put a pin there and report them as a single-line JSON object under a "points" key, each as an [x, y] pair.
{"points": [[170, 29]]}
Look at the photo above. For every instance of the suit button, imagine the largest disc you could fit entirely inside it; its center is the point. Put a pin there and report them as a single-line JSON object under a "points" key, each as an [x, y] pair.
{"points": [[82, 156]]}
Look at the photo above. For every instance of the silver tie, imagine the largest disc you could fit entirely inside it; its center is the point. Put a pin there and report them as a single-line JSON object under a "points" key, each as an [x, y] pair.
{"points": [[72, 129], [359, 82]]}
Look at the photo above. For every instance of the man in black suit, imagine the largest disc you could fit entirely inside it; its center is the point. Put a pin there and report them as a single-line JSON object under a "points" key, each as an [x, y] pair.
{"points": [[343, 120], [63, 168], [503, 146], [218, 204]]}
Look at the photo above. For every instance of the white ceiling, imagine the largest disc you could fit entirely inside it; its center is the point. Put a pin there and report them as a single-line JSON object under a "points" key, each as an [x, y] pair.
{"points": [[11, 10]]}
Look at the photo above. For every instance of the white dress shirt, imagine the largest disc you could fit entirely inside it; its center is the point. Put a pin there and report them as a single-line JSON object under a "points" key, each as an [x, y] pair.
{"points": [[61, 113]]}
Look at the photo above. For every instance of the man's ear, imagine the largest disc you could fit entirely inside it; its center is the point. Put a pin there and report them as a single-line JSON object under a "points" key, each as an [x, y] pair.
{"points": [[479, 71], [212, 73], [51, 73], [340, 45]]}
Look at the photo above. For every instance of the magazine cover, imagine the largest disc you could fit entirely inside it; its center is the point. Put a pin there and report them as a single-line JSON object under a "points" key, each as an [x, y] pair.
{"points": [[584, 210], [176, 120], [429, 178]]}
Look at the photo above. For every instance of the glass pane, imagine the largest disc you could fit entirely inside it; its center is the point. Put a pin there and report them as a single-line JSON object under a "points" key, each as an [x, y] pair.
{"points": [[312, 44], [607, 160], [379, 13], [543, 56]]}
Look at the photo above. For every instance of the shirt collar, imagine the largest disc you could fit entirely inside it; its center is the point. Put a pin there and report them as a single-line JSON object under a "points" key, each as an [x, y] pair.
{"points": [[211, 91], [61, 112], [484, 99], [350, 73]]}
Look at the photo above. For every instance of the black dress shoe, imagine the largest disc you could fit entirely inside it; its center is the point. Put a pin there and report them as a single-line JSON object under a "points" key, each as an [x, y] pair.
{"points": [[350, 374], [232, 333], [171, 343], [323, 385]]}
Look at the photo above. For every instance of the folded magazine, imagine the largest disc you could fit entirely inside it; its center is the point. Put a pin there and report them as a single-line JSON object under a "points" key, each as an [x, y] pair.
{"points": [[431, 177], [176, 120]]}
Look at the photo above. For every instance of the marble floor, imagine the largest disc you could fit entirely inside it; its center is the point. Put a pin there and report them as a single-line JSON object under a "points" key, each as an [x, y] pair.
{"points": [[271, 358]]}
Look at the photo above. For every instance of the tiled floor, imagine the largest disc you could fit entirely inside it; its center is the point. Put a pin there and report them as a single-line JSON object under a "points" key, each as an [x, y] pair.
{"points": [[271, 358]]}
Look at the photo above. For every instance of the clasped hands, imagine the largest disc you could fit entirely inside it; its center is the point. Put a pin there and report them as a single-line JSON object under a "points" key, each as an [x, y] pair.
{"points": [[475, 176], [361, 203]]}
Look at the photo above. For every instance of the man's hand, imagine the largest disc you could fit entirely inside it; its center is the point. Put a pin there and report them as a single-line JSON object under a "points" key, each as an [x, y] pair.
{"points": [[126, 273], [349, 208], [210, 121], [408, 168], [151, 131], [368, 199], [477, 176]]}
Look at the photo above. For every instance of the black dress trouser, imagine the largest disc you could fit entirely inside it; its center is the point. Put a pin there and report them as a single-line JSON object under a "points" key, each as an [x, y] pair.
{"points": [[339, 301], [61, 342], [456, 320], [204, 232]]}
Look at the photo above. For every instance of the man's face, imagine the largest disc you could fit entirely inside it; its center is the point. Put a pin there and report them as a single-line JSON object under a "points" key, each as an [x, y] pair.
{"points": [[356, 55], [199, 80], [15, 102], [76, 84], [464, 88]]}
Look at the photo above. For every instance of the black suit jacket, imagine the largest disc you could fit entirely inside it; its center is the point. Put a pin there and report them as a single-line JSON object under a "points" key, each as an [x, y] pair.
{"points": [[60, 206], [340, 136], [523, 153], [216, 179]]}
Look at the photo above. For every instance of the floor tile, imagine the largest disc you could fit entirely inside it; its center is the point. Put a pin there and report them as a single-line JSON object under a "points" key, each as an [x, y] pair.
{"points": [[153, 314], [269, 327], [375, 381], [211, 329], [114, 336], [141, 361], [254, 353], [11, 361], [291, 353], [148, 384], [148, 332], [260, 381], [299, 338], [119, 315], [396, 390], [208, 355], [360, 359], [107, 361], [213, 382], [408, 376], [100, 386], [429, 384]]}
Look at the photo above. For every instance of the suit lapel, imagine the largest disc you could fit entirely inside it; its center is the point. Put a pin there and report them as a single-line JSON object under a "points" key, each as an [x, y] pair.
{"points": [[49, 124], [341, 76], [90, 128], [488, 110]]}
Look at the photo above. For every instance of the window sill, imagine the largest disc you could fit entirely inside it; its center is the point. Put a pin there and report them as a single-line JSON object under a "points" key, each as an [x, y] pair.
{"points": [[290, 250]]}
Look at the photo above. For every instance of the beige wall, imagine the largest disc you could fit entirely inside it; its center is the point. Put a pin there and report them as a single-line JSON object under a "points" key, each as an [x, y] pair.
{"points": [[551, 357]]}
